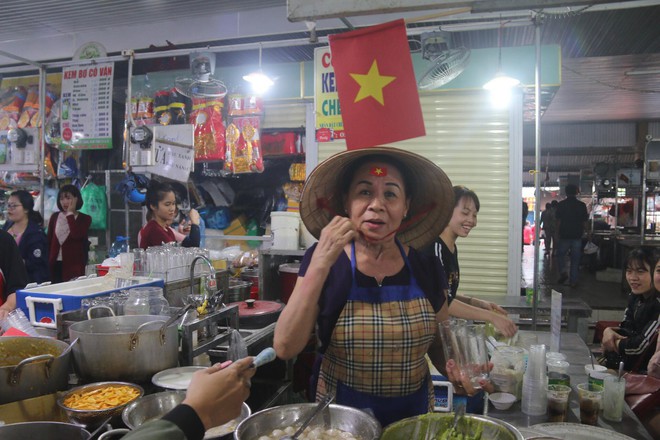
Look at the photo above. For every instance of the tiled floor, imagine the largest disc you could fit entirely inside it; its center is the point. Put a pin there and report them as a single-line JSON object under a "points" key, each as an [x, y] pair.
{"points": [[607, 298]]}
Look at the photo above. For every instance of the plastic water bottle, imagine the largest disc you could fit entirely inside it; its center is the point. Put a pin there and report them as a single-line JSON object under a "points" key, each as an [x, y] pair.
{"points": [[119, 246]]}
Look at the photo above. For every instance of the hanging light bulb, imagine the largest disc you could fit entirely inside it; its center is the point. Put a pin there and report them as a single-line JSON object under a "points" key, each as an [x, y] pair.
{"points": [[259, 80], [500, 86]]}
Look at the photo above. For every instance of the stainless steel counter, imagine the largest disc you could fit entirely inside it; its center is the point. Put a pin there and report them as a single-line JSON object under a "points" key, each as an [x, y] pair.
{"points": [[577, 354]]}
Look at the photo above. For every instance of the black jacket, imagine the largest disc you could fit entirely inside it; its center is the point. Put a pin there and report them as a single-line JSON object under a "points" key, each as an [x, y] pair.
{"points": [[640, 322], [34, 251], [571, 215], [11, 266]]}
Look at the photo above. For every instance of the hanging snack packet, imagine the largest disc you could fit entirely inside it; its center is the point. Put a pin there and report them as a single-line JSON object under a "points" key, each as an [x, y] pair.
{"points": [[145, 111], [209, 129], [30, 107], [177, 107], [35, 121], [161, 109], [12, 111], [244, 146]]}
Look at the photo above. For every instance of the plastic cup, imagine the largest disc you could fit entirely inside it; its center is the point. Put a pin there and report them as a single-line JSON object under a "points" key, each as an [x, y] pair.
{"points": [[557, 366], [613, 397], [558, 402], [17, 319], [590, 397]]}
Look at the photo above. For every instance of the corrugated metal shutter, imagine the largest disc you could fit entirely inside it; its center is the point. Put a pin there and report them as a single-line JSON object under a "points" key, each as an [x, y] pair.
{"points": [[290, 115], [470, 141]]}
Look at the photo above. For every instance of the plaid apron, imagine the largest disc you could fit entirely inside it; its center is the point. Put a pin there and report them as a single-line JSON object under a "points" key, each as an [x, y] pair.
{"points": [[375, 358]]}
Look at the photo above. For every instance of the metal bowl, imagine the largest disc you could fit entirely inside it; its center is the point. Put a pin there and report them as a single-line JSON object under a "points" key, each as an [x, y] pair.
{"points": [[155, 406], [341, 417], [94, 418], [432, 425]]}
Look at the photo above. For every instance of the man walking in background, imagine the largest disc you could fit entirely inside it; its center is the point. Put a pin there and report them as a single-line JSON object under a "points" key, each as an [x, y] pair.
{"points": [[571, 214]]}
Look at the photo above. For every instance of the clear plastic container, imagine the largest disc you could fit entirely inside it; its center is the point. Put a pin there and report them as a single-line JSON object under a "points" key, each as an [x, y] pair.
{"points": [[508, 369]]}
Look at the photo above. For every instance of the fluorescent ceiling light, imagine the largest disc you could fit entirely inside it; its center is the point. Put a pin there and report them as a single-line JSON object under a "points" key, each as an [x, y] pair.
{"points": [[643, 72], [483, 25], [501, 81], [259, 80]]}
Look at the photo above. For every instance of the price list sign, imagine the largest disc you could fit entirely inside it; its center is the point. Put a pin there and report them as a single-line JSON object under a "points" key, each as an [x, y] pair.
{"points": [[86, 112]]}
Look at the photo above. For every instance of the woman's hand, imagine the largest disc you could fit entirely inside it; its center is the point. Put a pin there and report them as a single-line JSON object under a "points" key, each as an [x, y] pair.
{"points": [[487, 305], [461, 381], [504, 325], [193, 215], [217, 394], [72, 205], [4, 312], [610, 338], [334, 237]]}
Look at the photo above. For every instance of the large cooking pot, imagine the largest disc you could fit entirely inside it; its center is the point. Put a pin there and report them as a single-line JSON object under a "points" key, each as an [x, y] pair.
{"points": [[257, 313], [43, 431], [345, 418], [128, 348], [31, 367]]}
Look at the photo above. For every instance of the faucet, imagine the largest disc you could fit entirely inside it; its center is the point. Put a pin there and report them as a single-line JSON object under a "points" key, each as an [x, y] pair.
{"points": [[211, 284]]}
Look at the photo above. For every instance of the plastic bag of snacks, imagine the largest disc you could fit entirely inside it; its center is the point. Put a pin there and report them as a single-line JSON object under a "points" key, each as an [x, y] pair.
{"points": [[244, 146], [30, 107], [10, 113], [51, 97], [209, 129]]}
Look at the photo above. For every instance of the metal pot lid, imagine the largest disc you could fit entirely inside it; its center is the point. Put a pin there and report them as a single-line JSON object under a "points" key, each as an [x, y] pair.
{"points": [[175, 378], [255, 307]]}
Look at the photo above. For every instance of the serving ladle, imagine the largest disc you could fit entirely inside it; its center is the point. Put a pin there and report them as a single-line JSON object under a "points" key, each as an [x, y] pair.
{"points": [[323, 404]]}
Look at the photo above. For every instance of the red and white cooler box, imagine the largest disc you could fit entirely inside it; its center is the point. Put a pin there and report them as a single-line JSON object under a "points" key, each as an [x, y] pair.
{"points": [[41, 304]]}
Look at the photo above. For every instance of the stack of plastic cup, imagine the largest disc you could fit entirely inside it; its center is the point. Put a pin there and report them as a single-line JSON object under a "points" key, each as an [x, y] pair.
{"points": [[535, 381], [17, 319]]}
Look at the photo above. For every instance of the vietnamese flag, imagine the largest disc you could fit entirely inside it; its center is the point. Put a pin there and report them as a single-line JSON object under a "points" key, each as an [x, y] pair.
{"points": [[376, 85]]}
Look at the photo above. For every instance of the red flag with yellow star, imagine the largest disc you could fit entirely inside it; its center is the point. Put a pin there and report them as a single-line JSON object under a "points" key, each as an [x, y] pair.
{"points": [[376, 85]]}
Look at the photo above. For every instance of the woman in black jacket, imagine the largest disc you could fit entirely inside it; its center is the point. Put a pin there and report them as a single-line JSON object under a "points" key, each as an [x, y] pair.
{"points": [[633, 337], [26, 226]]}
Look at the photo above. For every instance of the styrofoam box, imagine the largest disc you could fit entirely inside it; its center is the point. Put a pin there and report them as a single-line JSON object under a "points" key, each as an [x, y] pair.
{"points": [[41, 304]]}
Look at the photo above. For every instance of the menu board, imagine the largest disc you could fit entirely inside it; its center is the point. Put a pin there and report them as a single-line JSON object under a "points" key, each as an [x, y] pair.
{"points": [[86, 112], [329, 124]]}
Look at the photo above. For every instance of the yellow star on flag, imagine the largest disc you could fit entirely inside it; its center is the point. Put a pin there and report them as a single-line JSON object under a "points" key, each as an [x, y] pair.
{"points": [[379, 171], [372, 84]]}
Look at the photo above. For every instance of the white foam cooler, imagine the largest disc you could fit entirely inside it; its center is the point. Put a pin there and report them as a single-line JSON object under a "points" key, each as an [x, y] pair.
{"points": [[42, 303]]}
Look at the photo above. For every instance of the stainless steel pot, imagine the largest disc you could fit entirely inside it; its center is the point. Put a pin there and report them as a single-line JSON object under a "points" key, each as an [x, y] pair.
{"points": [[32, 367], [129, 348], [43, 431], [155, 406], [345, 418]]}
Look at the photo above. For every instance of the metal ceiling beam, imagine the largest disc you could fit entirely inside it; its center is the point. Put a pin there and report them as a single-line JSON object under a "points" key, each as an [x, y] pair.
{"points": [[516, 5]]}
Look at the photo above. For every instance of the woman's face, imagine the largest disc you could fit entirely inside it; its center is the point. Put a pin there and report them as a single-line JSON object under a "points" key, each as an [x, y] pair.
{"points": [[639, 278], [68, 202], [166, 209], [464, 217], [656, 276], [376, 201], [15, 211]]}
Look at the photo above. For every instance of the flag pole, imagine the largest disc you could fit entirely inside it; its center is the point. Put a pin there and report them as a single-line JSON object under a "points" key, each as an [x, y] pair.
{"points": [[437, 15]]}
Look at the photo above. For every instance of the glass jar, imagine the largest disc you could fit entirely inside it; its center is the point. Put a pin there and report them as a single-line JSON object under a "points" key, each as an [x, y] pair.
{"points": [[508, 369], [137, 302], [158, 304]]}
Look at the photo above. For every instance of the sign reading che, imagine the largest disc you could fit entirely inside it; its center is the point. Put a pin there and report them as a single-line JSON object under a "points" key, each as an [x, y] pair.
{"points": [[329, 124]]}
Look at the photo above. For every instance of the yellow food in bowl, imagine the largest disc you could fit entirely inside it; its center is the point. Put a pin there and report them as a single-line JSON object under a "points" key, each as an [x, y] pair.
{"points": [[101, 398]]}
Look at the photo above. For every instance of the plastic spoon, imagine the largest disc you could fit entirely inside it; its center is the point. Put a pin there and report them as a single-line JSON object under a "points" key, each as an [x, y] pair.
{"points": [[620, 371]]}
